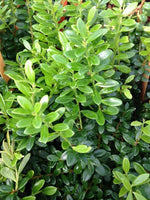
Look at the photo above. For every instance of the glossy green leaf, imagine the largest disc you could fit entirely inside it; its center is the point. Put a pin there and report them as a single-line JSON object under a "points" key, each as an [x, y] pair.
{"points": [[97, 98], [37, 186], [100, 118], [112, 101], [139, 169], [81, 148], [29, 71], [89, 114], [85, 89], [49, 190]]}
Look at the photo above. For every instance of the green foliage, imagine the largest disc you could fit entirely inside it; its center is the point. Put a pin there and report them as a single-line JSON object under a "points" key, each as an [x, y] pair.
{"points": [[67, 111]]}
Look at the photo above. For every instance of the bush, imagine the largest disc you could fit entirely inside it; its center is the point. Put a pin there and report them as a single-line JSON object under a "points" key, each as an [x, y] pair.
{"points": [[73, 124]]}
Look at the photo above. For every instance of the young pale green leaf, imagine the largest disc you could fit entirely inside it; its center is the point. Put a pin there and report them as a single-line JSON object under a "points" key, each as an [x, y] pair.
{"points": [[63, 39], [93, 36], [51, 117], [122, 191], [129, 197], [91, 15], [126, 165], [139, 196], [37, 186], [100, 118], [146, 130], [127, 93], [24, 88], [2, 103], [23, 163], [130, 7], [44, 102], [64, 99], [81, 148], [140, 179], [61, 127], [139, 169], [27, 45], [126, 183], [82, 28], [89, 114], [29, 198], [23, 123], [129, 79], [8, 173], [136, 123], [112, 101], [37, 122], [29, 71], [44, 134], [60, 59], [66, 134], [94, 60], [123, 68], [25, 103], [49, 190]]}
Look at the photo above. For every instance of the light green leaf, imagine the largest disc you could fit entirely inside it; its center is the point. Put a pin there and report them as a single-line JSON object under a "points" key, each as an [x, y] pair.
{"points": [[23, 163], [24, 88], [60, 59], [130, 7], [136, 123], [8, 173], [126, 165], [29, 71], [127, 93], [37, 122], [89, 114], [61, 127], [81, 148], [81, 28], [123, 68], [100, 118], [141, 179], [25, 103], [26, 44], [139, 196], [44, 135], [96, 34], [49, 190]]}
